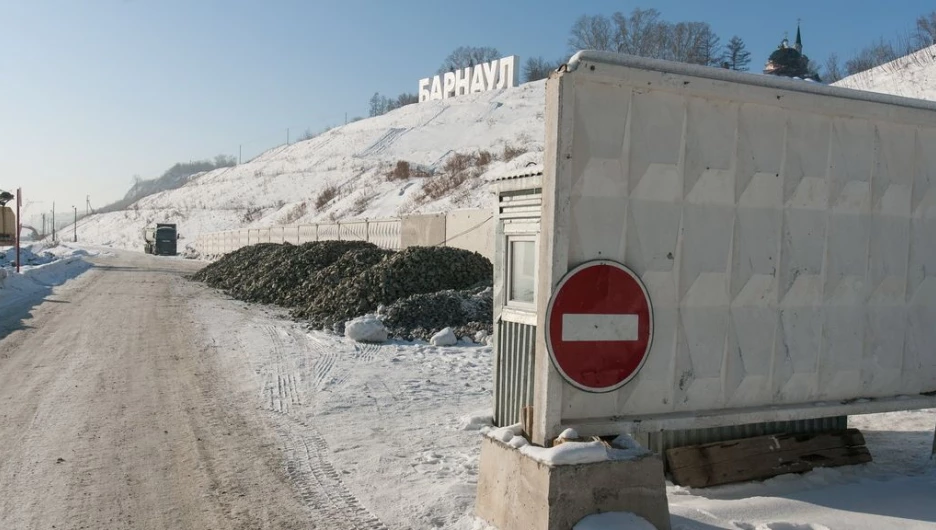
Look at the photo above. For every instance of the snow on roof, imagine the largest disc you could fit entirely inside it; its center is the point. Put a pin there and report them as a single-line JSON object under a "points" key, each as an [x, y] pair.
{"points": [[721, 74]]}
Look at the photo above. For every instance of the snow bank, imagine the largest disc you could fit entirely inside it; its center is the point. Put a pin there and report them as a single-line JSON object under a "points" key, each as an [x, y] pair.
{"points": [[366, 329], [615, 521], [569, 452], [51, 267], [476, 421]]}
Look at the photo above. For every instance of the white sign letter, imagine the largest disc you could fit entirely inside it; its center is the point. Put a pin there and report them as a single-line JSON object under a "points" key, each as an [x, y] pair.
{"points": [[508, 74], [490, 73], [477, 80], [436, 88], [448, 85], [462, 81], [423, 89]]}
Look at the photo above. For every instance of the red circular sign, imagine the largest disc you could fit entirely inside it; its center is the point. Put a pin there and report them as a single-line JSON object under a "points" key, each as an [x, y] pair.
{"points": [[599, 326]]}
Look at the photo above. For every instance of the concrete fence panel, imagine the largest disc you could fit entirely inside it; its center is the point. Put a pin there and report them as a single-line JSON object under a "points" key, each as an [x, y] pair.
{"points": [[471, 230], [353, 231], [328, 232], [423, 230]]}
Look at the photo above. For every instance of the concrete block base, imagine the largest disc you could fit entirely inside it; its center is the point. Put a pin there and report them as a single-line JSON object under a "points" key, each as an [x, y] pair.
{"points": [[516, 492]]}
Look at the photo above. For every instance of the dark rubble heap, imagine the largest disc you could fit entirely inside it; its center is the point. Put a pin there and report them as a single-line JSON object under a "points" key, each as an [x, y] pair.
{"points": [[418, 291]]}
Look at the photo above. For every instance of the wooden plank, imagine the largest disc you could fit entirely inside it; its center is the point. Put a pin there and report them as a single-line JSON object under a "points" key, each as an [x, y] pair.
{"points": [[740, 460], [752, 447], [725, 473]]}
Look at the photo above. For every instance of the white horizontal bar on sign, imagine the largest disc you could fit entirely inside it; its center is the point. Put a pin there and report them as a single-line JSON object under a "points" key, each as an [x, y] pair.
{"points": [[581, 327]]}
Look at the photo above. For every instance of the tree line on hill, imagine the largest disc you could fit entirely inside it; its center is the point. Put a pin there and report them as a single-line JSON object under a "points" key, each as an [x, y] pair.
{"points": [[645, 33], [172, 178]]}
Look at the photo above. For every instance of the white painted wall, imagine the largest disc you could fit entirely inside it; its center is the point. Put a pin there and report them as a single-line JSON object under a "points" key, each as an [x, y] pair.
{"points": [[786, 234]]}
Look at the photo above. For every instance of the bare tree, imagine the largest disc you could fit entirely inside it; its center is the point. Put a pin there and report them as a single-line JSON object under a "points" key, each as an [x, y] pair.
{"points": [[592, 33], [641, 33], [876, 54], [645, 34], [833, 70], [692, 42], [736, 56], [926, 30], [468, 56], [378, 105], [536, 68]]}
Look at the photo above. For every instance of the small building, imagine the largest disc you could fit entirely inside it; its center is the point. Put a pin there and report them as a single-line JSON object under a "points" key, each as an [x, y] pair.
{"points": [[516, 253]]}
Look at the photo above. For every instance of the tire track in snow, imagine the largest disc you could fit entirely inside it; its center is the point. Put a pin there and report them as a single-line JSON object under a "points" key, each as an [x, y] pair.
{"points": [[306, 452], [319, 484]]}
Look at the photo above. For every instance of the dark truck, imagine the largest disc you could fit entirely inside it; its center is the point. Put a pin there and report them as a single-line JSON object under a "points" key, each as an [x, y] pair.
{"points": [[161, 239]]}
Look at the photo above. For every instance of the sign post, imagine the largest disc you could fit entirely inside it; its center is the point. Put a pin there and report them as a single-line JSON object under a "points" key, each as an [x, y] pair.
{"points": [[19, 225], [599, 326]]}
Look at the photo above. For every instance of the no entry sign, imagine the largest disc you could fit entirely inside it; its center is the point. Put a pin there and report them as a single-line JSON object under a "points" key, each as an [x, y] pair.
{"points": [[599, 326]]}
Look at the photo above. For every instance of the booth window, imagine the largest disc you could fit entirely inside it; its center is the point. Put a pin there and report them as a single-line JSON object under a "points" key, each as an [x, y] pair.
{"points": [[521, 266]]}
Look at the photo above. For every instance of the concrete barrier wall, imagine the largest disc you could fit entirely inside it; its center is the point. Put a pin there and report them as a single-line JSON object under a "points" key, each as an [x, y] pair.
{"points": [[423, 230], [471, 230], [468, 229]]}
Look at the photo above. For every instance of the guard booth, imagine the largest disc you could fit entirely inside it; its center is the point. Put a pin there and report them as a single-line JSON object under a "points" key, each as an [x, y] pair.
{"points": [[516, 252]]}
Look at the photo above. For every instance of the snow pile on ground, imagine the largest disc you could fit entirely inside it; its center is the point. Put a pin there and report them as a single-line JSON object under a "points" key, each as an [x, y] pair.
{"points": [[36, 254], [43, 268], [616, 521], [913, 76], [366, 329], [352, 171], [415, 293], [569, 451]]}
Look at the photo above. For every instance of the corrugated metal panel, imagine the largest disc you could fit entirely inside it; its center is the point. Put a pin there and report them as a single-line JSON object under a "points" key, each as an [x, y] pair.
{"points": [[531, 171], [526, 204], [513, 378], [659, 442]]}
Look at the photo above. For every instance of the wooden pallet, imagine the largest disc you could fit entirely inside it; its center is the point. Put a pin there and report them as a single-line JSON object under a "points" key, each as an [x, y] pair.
{"points": [[763, 457]]}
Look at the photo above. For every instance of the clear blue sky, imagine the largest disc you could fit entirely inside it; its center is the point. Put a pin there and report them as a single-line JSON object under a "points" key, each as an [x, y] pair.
{"points": [[93, 92]]}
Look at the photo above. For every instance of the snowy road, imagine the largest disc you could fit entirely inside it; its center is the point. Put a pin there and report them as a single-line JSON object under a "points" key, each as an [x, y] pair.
{"points": [[134, 398], [115, 413]]}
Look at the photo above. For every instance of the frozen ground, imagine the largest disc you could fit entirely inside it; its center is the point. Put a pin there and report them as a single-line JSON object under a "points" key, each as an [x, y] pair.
{"points": [[393, 430]]}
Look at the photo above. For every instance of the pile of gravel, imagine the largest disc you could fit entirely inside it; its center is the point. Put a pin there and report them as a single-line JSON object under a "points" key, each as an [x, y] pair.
{"points": [[421, 316], [271, 273], [415, 270], [418, 291], [240, 267]]}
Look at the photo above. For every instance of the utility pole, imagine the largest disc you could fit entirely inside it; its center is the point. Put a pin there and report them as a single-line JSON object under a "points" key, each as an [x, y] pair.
{"points": [[76, 223], [53, 221], [345, 118], [87, 205], [240, 149], [43, 225], [287, 136]]}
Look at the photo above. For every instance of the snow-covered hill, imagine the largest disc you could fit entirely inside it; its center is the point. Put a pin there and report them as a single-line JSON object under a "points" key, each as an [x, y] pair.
{"points": [[288, 185], [913, 76], [284, 185]]}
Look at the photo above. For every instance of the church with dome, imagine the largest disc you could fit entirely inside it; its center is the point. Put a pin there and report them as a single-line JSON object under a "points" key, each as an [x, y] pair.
{"points": [[790, 61]]}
